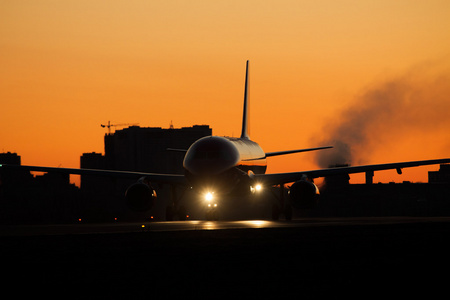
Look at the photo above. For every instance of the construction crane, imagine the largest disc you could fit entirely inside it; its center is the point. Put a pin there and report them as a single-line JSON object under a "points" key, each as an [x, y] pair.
{"points": [[109, 125]]}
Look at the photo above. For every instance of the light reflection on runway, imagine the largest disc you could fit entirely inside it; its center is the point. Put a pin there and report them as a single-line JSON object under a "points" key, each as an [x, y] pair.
{"points": [[214, 225], [124, 227]]}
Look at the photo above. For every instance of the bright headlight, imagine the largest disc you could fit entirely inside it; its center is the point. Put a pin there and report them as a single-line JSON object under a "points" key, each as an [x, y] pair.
{"points": [[257, 188], [209, 196]]}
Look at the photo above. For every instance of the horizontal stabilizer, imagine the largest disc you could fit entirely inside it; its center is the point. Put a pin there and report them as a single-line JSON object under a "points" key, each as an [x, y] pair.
{"points": [[295, 151]]}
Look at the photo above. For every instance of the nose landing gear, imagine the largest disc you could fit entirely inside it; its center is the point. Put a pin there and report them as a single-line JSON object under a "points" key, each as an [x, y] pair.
{"points": [[212, 214]]}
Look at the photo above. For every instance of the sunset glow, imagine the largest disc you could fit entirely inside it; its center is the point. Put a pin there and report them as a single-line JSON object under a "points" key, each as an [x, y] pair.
{"points": [[316, 68]]}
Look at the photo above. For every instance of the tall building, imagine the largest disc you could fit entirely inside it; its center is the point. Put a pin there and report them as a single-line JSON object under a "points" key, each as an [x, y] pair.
{"points": [[441, 176], [10, 158], [92, 161], [145, 149], [16, 177], [24, 198]]}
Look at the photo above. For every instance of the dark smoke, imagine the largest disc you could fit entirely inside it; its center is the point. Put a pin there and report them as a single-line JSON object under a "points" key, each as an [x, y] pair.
{"points": [[411, 106]]}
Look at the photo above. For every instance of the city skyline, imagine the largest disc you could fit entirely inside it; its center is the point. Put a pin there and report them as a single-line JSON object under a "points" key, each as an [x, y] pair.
{"points": [[69, 67]]}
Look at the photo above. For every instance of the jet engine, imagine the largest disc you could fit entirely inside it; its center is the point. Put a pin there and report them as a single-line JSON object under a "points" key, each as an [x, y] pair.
{"points": [[304, 194], [140, 196]]}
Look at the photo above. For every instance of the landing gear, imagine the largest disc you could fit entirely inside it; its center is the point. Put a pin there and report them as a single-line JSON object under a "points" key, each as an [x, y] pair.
{"points": [[182, 213], [277, 211], [174, 210], [169, 213], [212, 214], [281, 206], [288, 212], [179, 212]]}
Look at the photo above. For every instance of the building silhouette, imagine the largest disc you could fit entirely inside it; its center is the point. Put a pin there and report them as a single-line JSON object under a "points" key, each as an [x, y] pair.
{"points": [[146, 149], [28, 199], [339, 198], [441, 176]]}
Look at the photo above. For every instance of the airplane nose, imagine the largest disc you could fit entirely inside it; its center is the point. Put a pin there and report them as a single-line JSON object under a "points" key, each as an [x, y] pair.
{"points": [[211, 156]]}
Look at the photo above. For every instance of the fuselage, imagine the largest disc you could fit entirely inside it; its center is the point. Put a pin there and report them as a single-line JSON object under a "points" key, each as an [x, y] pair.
{"points": [[222, 164]]}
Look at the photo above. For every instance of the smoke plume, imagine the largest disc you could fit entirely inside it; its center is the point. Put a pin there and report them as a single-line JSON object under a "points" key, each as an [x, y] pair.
{"points": [[411, 106]]}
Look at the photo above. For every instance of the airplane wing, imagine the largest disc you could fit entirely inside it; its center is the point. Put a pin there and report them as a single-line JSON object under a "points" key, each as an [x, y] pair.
{"points": [[282, 178], [267, 179], [153, 177]]}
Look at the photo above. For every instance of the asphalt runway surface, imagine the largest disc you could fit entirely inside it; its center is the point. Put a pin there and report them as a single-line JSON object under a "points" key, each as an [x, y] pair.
{"points": [[362, 257]]}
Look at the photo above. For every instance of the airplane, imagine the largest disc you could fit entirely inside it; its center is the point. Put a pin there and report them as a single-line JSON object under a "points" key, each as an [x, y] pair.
{"points": [[219, 167]]}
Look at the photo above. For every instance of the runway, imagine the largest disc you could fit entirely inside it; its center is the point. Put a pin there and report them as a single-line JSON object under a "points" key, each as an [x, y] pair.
{"points": [[252, 258], [130, 227]]}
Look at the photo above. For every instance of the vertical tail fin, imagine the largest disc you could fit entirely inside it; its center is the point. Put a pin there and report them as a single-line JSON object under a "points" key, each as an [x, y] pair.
{"points": [[244, 133]]}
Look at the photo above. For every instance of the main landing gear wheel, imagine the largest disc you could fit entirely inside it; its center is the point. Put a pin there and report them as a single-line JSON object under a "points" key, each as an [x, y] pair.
{"points": [[288, 212], [281, 206], [171, 212], [276, 212], [182, 213]]}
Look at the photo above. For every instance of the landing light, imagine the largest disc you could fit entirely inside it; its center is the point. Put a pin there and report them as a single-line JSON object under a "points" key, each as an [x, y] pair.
{"points": [[256, 189], [209, 196]]}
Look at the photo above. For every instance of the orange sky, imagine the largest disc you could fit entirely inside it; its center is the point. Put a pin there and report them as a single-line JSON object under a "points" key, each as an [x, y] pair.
{"points": [[68, 66]]}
